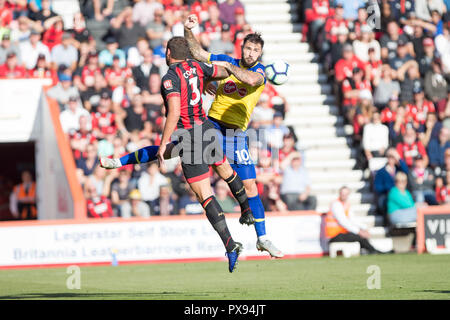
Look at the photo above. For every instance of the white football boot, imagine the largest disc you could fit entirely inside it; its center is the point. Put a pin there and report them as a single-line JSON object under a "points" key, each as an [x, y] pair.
{"points": [[109, 163], [267, 245]]}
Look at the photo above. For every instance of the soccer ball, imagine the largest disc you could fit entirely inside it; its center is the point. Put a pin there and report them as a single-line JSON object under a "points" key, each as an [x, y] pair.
{"points": [[277, 72]]}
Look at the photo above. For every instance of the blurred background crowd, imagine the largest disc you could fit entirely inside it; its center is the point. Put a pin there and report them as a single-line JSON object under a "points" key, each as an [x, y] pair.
{"points": [[106, 74], [389, 62]]}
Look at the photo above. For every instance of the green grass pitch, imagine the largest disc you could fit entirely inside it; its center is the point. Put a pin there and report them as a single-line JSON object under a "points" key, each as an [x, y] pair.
{"points": [[402, 276]]}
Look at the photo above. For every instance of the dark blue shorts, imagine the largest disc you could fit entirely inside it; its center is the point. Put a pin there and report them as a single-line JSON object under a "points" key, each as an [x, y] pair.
{"points": [[235, 147]]}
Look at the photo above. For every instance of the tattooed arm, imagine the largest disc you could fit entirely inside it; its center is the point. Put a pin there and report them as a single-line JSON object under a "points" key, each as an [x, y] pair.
{"points": [[249, 77], [198, 53]]}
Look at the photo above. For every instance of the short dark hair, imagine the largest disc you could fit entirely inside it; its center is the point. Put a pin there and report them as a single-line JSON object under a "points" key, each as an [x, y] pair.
{"points": [[179, 48], [255, 38]]}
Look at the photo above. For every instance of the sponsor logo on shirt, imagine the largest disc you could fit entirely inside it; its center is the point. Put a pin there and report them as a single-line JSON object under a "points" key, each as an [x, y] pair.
{"points": [[229, 87], [168, 84], [242, 92]]}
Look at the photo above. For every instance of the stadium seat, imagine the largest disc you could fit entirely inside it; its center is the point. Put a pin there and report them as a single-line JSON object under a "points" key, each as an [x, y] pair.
{"points": [[403, 235], [348, 249]]}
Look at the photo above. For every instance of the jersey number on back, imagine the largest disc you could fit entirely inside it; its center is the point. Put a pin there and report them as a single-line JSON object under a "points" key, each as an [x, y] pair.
{"points": [[195, 92]]}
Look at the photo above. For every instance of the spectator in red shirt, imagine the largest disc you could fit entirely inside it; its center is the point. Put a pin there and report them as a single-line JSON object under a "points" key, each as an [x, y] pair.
{"points": [[53, 35], [6, 15], [175, 5], [211, 29], [86, 79], [344, 67], [287, 148], [315, 17], [10, 69], [42, 71], [351, 91], [388, 114], [115, 74], [98, 205], [333, 23], [81, 138], [443, 189], [419, 109], [104, 120], [266, 171], [352, 86], [398, 129], [411, 147], [200, 9]]}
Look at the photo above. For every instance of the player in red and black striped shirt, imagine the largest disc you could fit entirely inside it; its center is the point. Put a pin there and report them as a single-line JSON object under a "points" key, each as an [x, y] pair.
{"points": [[186, 81], [198, 144], [181, 89]]}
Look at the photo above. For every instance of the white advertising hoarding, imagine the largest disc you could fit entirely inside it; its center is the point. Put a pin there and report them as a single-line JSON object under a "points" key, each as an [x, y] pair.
{"points": [[151, 240]]}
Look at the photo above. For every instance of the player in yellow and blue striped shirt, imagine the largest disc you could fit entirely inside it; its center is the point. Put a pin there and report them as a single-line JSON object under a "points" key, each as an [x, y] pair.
{"points": [[235, 98]]}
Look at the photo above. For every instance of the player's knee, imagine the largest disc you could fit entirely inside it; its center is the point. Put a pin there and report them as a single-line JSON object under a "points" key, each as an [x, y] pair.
{"points": [[250, 187], [203, 195], [224, 169], [202, 190]]}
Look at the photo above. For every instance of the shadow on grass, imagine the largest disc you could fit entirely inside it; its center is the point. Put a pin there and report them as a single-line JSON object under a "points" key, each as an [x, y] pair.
{"points": [[437, 291], [99, 295]]}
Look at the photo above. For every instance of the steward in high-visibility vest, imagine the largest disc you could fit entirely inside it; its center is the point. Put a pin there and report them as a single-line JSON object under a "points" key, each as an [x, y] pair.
{"points": [[340, 227], [25, 194], [332, 226]]}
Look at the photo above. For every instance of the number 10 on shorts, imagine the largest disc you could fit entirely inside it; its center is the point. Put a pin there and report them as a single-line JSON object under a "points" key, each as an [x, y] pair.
{"points": [[243, 156]]}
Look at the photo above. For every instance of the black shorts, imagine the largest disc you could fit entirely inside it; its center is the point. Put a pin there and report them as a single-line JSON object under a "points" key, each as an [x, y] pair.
{"points": [[199, 148]]}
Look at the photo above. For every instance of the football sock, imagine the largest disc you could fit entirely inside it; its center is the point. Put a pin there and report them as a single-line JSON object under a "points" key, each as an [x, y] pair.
{"points": [[216, 217], [238, 191], [258, 213], [143, 155]]}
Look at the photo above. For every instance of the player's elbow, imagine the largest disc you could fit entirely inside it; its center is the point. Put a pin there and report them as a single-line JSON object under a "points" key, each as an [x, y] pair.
{"points": [[254, 81]]}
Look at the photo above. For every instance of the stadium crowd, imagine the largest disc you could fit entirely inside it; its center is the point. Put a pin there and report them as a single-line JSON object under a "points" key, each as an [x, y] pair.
{"points": [[389, 68], [389, 63], [108, 91]]}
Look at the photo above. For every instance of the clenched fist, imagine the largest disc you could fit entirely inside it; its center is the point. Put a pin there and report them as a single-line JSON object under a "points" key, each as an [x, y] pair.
{"points": [[191, 22]]}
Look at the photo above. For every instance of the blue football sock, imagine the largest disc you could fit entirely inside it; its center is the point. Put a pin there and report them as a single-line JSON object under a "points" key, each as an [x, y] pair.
{"points": [[258, 213], [143, 155]]}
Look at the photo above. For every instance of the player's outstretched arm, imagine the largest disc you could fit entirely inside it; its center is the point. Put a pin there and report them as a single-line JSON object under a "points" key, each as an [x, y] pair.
{"points": [[249, 77], [198, 53]]}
